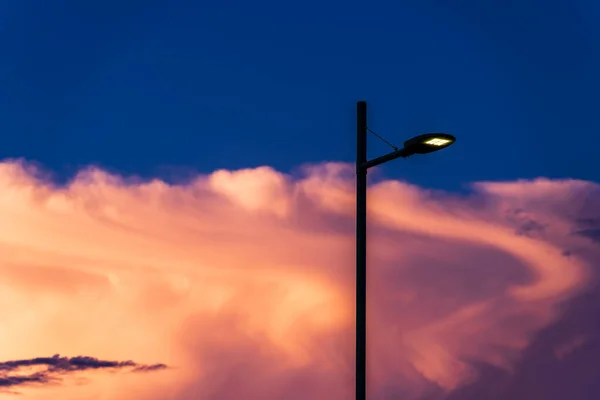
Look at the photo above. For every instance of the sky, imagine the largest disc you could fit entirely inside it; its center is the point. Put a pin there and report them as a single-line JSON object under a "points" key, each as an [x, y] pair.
{"points": [[176, 198]]}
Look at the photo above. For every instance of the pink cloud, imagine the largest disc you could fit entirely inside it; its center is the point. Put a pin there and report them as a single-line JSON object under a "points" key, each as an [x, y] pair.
{"points": [[242, 281]]}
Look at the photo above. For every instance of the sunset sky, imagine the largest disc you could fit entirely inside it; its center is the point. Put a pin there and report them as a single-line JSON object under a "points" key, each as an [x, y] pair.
{"points": [[177, 200]]}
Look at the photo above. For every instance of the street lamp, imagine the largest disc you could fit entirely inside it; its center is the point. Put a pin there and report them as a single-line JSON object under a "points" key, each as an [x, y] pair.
{"points": [[422, 144]]}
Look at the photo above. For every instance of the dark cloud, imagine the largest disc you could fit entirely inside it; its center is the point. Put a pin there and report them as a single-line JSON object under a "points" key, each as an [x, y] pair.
{"points": [[588, 227], [593, 234], [8, 381], [13, 373], [531, 228]]}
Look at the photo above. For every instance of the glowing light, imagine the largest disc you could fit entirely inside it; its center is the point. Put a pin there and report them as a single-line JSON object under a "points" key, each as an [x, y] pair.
{"points": [[437, 142]]}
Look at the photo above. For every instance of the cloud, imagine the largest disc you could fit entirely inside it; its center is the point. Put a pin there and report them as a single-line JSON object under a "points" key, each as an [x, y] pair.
{"points": [[14, 373], [242, 281]]}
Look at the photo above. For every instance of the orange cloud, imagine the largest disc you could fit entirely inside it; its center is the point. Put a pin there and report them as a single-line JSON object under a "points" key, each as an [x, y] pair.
{"points": [[242, 281]]}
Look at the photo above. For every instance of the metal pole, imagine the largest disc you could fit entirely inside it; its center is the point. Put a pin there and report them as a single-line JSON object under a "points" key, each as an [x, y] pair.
{"points": [[361, 251]]}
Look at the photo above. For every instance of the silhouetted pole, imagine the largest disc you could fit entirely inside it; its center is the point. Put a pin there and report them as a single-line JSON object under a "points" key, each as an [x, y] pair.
{"points": [[361, 251]]}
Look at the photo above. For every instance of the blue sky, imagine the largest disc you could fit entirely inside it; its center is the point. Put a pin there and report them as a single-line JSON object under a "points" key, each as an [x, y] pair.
{"points": [[155, 87]]}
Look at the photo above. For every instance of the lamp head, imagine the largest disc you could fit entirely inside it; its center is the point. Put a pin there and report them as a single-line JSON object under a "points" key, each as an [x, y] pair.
{"points": [[428, 143]]}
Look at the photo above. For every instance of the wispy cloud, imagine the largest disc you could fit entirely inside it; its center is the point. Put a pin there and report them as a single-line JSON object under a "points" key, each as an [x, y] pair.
{"points": [[243, 281], [14, 373]]}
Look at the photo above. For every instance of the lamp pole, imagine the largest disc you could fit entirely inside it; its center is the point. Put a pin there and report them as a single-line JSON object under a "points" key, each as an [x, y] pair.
{"points": [[422, 144], [361, 250]]}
